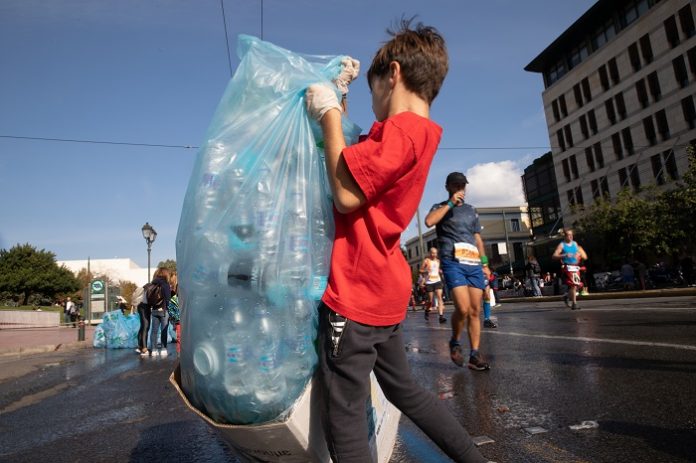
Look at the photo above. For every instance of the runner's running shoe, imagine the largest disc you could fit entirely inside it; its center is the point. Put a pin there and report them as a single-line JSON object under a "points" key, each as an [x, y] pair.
{"points": [[489, 324], [476, 363], [456, 354]]}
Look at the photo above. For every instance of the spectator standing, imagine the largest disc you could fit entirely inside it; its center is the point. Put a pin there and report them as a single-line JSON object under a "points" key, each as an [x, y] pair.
{"points": [[533, 270], [642, 271], [158, 294], [627, 276], [71, 312]]}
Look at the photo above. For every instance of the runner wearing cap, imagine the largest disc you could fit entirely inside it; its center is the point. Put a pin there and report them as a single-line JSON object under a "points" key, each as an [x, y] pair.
{"points": [[464, 263]]}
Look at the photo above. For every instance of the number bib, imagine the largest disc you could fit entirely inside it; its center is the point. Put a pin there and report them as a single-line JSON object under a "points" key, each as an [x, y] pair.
{"points": [[466, 254]]}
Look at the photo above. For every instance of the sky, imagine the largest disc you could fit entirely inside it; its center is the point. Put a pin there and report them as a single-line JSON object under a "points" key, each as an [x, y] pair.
{"points": [[139, 73]]}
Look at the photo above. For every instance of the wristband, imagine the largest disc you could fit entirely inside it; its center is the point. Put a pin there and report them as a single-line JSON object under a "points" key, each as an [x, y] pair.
{"points": [[450, 204], [484, 260]]}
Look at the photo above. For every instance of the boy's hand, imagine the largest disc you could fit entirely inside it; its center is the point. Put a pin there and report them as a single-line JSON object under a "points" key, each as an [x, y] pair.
{"points": [[351, 69], [321, 98]]}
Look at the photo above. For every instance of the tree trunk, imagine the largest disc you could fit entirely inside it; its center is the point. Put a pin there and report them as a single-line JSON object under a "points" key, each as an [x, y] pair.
{"points": [[26, 298]]}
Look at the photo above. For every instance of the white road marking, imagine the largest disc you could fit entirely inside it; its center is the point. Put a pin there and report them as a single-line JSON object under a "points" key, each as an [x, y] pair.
{"points": [[586, 339]]}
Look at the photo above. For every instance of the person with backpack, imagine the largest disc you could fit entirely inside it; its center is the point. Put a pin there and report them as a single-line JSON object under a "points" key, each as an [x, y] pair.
{"points": [[158, 294]]}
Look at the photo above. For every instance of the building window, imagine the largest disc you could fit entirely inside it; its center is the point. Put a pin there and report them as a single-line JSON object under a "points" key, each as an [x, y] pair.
{"points": [[554, 108], [578, 196], [586, 90], [689, 111], [634, 57], [623, 178], [566, 170], [574, 166], [642, 93], [620, 105], [692, 59], [578, 55], [635, 178], [649, 129], [646, 48], [680, 74], [589, 158], [686, 20], [583, 127], [409, 253], [577, 94], [571, 197], [604, 185], [671, 31], [593, 121], [562, 105], [656, 163], [561, 142], [568, 135], [629, 14], [616, 142], [594, 186], [613, 71], [662, 125], [603, 79], [654, 86], [515, 225], [627, 140], [599, 156], [556, 72], [670, 164], [609, 106]]}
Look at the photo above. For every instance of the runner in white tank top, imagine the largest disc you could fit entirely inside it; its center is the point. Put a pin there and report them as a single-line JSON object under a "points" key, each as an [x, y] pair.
{"points": [[433, 284]]}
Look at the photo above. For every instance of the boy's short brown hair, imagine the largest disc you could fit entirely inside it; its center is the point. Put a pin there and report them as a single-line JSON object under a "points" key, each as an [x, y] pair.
{"points": [[422, 55]]}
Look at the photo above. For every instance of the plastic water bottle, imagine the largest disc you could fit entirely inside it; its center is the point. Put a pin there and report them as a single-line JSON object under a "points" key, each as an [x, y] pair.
{"points": [[236, 344], [270, 386], [301, 355]]}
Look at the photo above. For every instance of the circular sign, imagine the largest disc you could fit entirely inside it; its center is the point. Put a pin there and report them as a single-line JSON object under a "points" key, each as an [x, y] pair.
{"points": [[97, 286]]}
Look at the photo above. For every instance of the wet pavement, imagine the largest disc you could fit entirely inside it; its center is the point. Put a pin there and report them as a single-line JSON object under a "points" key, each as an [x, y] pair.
{"points": [[627, 365]]}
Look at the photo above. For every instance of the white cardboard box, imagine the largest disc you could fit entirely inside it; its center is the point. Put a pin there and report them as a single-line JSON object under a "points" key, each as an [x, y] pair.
{"points": [[300, 439]]}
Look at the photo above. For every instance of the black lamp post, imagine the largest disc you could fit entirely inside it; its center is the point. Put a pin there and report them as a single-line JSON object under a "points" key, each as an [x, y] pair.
{"points": [[149, 234]]}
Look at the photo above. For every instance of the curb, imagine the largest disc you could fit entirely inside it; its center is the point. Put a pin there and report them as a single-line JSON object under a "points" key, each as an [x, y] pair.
{"points": [[23, 351]]}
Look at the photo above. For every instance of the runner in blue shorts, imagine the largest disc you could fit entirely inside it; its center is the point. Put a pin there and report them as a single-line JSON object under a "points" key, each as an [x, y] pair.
{"points": [[464, 264]]}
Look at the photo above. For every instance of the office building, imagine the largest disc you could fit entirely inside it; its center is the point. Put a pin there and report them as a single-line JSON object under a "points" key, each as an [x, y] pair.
{"points": [[619, 99]]}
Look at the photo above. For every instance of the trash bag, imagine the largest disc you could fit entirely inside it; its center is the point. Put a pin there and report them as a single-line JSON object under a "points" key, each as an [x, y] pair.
{"points": [[120, 331], [254, 240], [99, 340]]}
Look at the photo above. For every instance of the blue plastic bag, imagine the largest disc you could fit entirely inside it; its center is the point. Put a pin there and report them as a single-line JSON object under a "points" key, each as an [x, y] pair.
{"points": [[254, 240]]}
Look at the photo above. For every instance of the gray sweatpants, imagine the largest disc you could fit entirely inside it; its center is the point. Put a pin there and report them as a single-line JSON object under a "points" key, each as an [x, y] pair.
{"points": [[348, 352]]}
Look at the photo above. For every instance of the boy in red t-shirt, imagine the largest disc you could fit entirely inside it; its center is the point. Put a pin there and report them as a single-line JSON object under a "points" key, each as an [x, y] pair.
{"points": [[377, 185]]}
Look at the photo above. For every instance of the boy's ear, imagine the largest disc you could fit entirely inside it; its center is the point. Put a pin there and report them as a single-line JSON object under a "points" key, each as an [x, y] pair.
{"points": [[394, 73]]}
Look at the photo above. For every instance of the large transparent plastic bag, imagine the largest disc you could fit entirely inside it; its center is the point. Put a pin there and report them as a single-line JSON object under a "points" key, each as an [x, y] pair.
{"points": [[254, 240]]}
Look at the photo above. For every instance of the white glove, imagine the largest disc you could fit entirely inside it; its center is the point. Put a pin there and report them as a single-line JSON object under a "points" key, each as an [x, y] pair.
{"points": [[351, 69], [320, 99]]}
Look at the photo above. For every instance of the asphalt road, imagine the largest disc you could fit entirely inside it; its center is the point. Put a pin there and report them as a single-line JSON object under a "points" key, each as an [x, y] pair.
{"points": [[628, 365]]}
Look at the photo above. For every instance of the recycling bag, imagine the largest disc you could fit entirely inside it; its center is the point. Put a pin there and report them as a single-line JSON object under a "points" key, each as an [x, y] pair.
{"points": [[254, 240]]}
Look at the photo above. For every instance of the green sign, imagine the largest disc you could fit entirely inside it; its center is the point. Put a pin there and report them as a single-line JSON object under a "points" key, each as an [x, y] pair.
{"points": [[97, 287]]}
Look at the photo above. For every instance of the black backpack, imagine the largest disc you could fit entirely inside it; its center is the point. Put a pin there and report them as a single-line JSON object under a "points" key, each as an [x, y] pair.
{"points": [[153, 294]]}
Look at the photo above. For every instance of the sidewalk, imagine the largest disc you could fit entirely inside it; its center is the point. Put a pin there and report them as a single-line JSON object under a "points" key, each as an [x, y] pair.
{"points": [[634, 294], [25, 341]]}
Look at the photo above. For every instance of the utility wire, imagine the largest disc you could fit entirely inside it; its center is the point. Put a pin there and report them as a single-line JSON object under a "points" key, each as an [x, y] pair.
{"points": [[227, 41], [99, 142]]}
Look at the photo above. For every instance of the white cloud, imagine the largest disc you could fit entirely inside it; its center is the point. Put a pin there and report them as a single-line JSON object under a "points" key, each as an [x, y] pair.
{"points": [[494, 184]]}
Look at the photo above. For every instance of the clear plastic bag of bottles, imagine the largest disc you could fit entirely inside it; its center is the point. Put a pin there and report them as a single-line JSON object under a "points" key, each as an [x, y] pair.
{"points": [[254, 240]]}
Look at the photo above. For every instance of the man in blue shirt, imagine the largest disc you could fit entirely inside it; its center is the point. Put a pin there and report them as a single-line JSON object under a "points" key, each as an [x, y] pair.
{"points": [[571, 254]]}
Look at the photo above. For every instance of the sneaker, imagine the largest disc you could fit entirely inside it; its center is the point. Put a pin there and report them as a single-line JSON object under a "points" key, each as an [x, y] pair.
{"points": [[154, 353], [144, 353], [163, 353], [566, 301], [476, 363], [456, 354], [443, 319], [138, 351], [489, 324], [426, 314], [575, 307]]}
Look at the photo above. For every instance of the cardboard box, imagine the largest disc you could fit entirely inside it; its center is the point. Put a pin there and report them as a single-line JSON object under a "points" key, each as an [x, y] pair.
{"points": [[300, 439]]}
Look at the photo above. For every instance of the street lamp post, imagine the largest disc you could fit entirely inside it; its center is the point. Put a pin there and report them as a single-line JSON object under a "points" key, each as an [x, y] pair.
{"points": [[149, 234]]}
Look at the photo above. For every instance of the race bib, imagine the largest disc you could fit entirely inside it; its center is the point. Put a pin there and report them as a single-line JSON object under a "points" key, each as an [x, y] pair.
{"points": [[467, 254]]}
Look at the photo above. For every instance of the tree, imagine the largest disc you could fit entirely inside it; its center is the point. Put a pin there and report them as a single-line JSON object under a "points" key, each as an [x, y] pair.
{"points": [[127, 289], [679, 209], [24, 272], [168, 264]]}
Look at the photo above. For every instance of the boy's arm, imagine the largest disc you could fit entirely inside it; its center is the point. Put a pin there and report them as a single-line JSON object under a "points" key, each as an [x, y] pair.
{"points": [[323, 105], [347, 194]]}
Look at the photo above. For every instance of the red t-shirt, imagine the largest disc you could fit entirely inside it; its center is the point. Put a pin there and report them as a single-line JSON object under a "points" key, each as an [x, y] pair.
{"points": [[370, 280]]}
